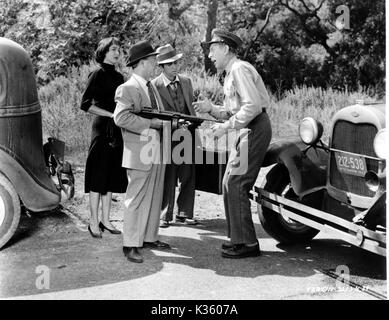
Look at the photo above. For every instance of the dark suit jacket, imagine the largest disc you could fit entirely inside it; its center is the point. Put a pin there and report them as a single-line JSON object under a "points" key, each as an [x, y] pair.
{"points": [[186, 175], [187, 89]]}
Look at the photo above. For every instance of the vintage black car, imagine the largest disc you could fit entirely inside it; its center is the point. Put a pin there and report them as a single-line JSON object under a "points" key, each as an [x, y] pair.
{"points": [[26, 172], [338, 188]]}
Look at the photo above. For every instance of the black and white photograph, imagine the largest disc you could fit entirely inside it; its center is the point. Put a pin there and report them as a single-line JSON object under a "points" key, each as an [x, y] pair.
{"points": [[193, 154]]}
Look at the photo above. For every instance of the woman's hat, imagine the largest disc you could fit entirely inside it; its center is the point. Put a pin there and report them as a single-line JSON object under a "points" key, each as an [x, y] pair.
{"points": [[167, 54], [139, 51], [226, 37]]}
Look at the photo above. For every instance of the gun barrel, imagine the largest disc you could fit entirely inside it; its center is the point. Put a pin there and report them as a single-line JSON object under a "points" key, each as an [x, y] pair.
{"points": [[168, 115]]}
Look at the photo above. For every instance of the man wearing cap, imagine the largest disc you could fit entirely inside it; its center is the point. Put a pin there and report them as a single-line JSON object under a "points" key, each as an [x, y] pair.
{"points": [[244, 107], [145, 176], [176, 92]]}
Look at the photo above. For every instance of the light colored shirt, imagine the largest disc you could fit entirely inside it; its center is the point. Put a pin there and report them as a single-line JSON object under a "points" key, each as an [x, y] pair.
{"points": [[166, 80], [245, 94]]}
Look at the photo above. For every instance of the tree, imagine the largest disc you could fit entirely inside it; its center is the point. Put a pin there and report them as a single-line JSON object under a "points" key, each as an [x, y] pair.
{"points": [[313, 26], [211, 24], [290, 42], [294, 42]]}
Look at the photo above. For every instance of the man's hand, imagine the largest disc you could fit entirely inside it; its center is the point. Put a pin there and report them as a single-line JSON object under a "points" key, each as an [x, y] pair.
{"points": [[219, 129], [156, 123], [183, 124], [203, 106]]}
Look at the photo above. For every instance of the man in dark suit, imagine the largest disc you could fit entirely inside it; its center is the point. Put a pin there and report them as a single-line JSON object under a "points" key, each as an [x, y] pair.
{"points": [[176, 93]]}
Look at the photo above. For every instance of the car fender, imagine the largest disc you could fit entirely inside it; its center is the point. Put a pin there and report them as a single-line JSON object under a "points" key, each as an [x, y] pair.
{"points": [[307, 171], [37, 193]]}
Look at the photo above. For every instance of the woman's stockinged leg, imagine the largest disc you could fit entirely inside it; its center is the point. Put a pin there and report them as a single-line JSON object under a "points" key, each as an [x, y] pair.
{"points": [[106, 200], [94, 200]]}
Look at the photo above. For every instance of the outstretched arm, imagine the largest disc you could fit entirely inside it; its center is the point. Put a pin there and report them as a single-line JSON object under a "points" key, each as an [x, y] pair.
{"points": [[206, 106]]}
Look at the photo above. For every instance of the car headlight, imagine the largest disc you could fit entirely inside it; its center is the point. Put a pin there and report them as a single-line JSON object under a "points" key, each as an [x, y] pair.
{"points": [[381, 144], [372, 181], [310, 130]]}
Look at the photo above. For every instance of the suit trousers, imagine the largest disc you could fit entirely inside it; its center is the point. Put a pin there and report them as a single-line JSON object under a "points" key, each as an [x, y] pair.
{"points": [[238, 183], [143, 202], [185, 174]]}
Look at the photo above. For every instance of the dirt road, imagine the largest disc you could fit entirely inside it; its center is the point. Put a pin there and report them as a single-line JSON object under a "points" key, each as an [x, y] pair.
{"points": [[52, 256]]}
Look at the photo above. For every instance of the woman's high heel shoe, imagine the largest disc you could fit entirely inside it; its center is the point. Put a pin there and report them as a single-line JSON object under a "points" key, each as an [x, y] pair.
{"points": [[94, 235], [103, 227]]}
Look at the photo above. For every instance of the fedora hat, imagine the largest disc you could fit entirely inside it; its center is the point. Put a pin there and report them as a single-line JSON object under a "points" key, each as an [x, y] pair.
{"points": [[226, 37], [139, 51], [167, 54]]}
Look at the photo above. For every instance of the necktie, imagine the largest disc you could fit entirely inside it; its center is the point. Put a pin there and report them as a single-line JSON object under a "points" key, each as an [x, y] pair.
{"points": [[173, 84], [152, 96]]}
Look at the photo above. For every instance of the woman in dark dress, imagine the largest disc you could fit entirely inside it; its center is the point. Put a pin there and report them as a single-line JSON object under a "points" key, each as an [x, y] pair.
{"points": [[103, 173]]}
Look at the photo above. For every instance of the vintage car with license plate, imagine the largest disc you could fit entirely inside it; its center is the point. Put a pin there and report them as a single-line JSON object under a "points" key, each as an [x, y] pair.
{"points": [[339, 188]]}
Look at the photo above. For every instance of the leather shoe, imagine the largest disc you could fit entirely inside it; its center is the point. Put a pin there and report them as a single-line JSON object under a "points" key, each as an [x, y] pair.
{"points": [[132, 254], [94, 235], [156, 245], [103, 227], [241, 251], [227, 245], [164, 224], [187, 221]]}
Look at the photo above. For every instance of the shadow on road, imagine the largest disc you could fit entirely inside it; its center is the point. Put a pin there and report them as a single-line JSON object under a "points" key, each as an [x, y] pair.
{"points": [[38, 224], [76, 260]]}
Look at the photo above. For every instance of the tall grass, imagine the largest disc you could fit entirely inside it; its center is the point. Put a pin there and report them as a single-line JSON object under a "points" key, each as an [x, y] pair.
{"points": [[300, 102], [61, 113], [63, 119]]}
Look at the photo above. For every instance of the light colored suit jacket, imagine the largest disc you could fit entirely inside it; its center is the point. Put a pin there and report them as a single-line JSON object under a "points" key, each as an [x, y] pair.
{"points": [[187, 89], [130, 99]]}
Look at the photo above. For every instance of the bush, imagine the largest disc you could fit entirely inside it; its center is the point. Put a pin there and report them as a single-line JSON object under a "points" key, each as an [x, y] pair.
{"points": [[61, 113]]}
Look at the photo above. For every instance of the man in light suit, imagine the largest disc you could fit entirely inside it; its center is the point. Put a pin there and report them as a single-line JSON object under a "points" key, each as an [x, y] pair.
{"points": [[145, 173], [176, 92]]}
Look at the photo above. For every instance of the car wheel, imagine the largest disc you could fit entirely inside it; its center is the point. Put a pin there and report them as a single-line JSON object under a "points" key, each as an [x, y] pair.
{"points": [[9, 210], [281, 228]]}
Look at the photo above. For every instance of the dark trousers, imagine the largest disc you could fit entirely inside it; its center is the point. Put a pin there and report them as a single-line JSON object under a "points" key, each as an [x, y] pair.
{"points": [[185, 175], [237, 183]]}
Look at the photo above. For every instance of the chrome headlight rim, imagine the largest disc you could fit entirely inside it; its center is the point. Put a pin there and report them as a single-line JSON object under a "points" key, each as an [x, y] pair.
{"points": [[310, 130], [372, 181], [380, 144]]}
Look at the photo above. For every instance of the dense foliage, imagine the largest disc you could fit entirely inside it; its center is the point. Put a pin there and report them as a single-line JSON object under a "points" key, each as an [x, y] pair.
{"points": [[296, 42]]}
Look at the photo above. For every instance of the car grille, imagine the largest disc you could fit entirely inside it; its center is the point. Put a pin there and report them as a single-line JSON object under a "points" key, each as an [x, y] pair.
{"points": [[357, 138]]}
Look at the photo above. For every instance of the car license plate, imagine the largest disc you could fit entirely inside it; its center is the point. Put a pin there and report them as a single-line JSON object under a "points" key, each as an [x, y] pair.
{"points": [[351, 164]]}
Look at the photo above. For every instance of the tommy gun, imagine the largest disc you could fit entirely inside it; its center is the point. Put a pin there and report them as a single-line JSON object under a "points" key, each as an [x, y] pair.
{"points": [[177, 119]]}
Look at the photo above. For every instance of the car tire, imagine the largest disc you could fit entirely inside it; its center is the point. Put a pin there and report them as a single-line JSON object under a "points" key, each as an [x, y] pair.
{"points": [[284, 230], [9, 210]]}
